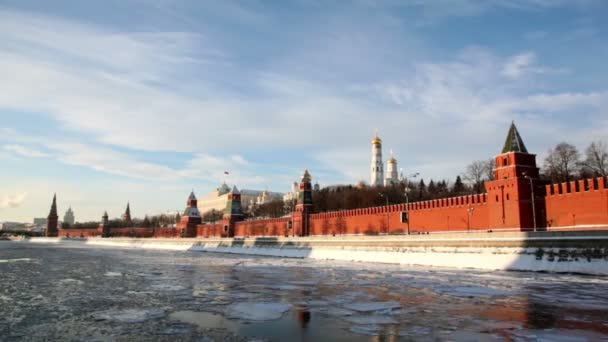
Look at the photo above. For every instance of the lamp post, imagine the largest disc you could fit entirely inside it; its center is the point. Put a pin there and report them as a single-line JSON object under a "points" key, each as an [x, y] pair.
{"points": [[532, 198], [407, 197], [387, 218]]}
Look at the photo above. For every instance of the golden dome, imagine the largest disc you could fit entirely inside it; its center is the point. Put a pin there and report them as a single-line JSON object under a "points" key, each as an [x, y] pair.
{"points": [[392, 161], [377, 141]]}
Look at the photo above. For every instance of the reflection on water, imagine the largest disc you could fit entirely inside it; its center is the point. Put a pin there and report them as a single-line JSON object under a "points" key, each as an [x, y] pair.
{"points": [[289, 327]]}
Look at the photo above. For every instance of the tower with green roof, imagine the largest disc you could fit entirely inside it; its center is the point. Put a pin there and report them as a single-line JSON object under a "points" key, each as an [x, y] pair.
{"points": [[516, 195], [232, 213]]}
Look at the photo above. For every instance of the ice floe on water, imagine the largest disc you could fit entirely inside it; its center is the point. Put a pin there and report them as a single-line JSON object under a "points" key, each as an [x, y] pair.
{"points": [[369, 330], [373, 306], [15, 260], [558, 335], [472, 291], [129, 315], [167, 287], [257, 311], [370, 319], [113, 274], [71, 281]]}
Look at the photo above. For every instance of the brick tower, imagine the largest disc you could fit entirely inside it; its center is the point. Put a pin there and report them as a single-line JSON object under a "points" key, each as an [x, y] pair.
{"points": [[52, 220], [516, 182], [126, 217], [301, 218], [233, 212], [191, 217], [104, 226]]}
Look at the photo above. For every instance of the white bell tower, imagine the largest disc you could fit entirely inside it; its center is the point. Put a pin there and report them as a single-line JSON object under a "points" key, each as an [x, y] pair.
{"points": [[377, 166]]}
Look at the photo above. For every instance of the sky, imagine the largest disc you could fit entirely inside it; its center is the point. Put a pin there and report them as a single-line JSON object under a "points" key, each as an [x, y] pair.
{"points": [[145, 100]]}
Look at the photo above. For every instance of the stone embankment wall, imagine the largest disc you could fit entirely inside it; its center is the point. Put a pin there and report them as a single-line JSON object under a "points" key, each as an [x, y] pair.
{"points": [[578, 252]]}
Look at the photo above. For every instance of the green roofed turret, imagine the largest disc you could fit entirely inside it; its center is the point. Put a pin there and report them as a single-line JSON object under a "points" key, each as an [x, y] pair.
{"points": [[514, 143]]}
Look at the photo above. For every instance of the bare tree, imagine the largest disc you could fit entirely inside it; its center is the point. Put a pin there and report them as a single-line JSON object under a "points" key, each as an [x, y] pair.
{"points": [[474, 174], [596, 159], [489, 169], [562, 162]]}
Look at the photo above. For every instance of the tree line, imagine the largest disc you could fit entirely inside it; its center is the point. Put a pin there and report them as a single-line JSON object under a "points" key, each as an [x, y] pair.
{"points": [[565, 163]]}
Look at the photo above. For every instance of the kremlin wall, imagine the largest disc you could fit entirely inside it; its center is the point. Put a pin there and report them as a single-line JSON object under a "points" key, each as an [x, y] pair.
{"points": [[517, 200]]}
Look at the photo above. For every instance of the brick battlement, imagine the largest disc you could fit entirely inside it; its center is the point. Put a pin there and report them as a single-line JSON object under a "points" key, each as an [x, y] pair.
{"points": [[455, 202], [583, 185]]}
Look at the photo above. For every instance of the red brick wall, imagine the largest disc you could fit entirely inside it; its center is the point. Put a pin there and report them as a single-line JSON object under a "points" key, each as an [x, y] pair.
{"points": [[167, 233], [266, 227], [131, 232], [210, 230], [450, 214], [79, 233], [578, 203]]}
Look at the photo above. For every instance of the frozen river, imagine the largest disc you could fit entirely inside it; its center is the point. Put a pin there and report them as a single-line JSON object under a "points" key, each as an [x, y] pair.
{"points": [[84, 293]]}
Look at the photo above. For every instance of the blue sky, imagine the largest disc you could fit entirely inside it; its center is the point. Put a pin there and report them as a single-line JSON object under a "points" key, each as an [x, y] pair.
{"points": [[142, 101]]}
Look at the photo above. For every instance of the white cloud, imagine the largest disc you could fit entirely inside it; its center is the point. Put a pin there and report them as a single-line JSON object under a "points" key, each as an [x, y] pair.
{"points": [[517, 65], [12, 201], [25, 151], [153, 95]]}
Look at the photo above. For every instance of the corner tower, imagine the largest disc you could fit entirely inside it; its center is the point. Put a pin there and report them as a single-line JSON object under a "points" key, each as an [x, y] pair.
{"points": [[377, 166], [52, 219], [516, 195]]}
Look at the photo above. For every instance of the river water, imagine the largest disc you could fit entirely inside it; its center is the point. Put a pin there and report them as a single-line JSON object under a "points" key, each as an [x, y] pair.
{"points": [[77, 293]]}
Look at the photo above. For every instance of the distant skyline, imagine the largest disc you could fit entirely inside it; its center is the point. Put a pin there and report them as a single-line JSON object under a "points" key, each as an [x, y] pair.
{"points": [[142, 101]]}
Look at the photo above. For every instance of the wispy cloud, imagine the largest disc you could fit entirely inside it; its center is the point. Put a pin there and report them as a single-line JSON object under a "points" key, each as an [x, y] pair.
{"points": [[25, 151], [12, 201]]}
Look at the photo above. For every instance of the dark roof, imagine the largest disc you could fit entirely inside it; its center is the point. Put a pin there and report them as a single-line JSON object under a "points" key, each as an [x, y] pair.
{"points": [[514, 143]]}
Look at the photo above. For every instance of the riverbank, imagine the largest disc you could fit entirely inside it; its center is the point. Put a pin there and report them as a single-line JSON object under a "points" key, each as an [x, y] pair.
{"points": [[584, 252]]}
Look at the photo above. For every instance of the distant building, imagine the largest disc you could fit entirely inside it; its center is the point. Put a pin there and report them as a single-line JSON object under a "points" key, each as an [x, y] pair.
{"points": [[40, 221], [218, 199], [12, 225], [69, 217]]}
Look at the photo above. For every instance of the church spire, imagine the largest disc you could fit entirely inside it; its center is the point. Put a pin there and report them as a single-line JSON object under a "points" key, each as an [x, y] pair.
{"points": [[514, 143]]}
